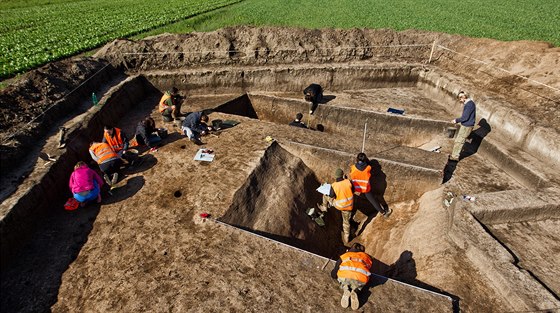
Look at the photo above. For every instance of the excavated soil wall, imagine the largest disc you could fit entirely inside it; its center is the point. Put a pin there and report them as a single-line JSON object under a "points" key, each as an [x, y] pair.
{"points": [[513, 127], [49, 184], [350, 122], [286, 78], [273, 202], [57, 100], [392, 181]]}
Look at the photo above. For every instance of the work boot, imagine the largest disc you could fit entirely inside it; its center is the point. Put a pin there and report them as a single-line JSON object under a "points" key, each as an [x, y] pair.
{"points": [[114, 179], [345, 300], [354, 301], [107, 179], [387, 213]]}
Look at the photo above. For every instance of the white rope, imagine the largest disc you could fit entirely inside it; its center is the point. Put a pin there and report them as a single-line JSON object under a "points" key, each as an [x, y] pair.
{"points": [[52, 105], [499, 68]]}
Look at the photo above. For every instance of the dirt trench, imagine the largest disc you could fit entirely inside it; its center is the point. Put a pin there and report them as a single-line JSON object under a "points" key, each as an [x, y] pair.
{"points": [[146, 242]]}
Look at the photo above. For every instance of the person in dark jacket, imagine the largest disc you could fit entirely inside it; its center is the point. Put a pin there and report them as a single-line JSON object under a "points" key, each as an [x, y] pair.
{"points": [[467, 121], [146, 134], [313, 93], [194, 126], [297, 122], [352, 270]]}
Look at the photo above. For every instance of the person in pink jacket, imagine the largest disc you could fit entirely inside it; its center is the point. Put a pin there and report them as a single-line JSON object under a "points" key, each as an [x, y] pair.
{"points": [[85, 184]]}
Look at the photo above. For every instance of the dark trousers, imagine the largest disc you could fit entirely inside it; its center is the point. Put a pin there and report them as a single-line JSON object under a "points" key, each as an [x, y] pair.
{"points": [[374, 202], [111, 167]]}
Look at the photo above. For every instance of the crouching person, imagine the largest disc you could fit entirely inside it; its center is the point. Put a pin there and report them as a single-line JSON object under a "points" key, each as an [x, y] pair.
{"points": [[352, 271], [109, 162], [195, 125], [146, 134], [85, 184]]}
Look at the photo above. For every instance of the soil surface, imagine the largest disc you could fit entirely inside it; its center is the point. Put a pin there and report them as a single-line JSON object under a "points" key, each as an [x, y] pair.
{"points": [[145, 248]]}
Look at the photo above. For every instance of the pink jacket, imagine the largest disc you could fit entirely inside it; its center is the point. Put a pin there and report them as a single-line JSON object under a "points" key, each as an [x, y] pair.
{"points": [[82, 179]]}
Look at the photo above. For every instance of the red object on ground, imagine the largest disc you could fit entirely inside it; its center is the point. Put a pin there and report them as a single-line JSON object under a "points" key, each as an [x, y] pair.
{"points": [[204, 215], [71, 204]]}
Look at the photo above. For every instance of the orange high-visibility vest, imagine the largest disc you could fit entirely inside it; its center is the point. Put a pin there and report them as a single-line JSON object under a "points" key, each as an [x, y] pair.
{"points": [[116, 143], [103, 152], [344, 197], [355, 265], [360, 179], [162, 105]]}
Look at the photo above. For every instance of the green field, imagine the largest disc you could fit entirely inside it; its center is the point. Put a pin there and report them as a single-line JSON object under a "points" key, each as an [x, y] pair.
{"points": [[33, 32]]}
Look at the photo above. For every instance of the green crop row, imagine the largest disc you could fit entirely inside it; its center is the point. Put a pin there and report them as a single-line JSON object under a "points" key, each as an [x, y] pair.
{"points": [[36, 34], [498, 19]]}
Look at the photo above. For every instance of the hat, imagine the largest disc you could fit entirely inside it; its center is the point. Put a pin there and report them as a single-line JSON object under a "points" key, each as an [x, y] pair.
{"points": [[338, 173]]}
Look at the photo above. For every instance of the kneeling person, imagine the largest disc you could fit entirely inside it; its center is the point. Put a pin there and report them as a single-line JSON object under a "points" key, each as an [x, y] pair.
{"points": [[109, 162], [352, 271], [195, 125]]}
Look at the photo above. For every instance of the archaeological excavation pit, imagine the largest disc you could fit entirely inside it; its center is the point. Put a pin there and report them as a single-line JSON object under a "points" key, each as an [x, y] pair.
{"points": [[147, 239]]}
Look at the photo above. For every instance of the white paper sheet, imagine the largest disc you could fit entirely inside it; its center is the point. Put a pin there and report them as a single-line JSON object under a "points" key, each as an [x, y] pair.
{"points": [[324, 189], [201, 156]]}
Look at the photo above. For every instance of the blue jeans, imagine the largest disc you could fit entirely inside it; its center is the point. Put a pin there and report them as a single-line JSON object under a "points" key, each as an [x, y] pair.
{"points": [[90, 196], [153, 139]]}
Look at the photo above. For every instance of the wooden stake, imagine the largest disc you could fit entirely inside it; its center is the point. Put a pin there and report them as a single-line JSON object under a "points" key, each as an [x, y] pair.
{"points": [[432, 52]]}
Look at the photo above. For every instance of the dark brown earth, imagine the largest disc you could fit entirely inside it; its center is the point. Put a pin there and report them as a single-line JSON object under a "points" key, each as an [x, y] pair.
{"points": [[146, 249]]}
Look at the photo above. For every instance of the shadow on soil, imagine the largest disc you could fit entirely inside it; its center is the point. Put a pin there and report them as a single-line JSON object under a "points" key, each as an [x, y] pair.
{"points": [[403, 270], [476, 137], [327, 99], [31, 283], [129, 189]]}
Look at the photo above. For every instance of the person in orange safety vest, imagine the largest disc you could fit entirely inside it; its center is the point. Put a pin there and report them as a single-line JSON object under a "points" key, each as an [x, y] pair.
{"points": [[352, 270], [170, 105], [118, 142], [109, 162], [116, 139], [341, 197], [360, 175]]}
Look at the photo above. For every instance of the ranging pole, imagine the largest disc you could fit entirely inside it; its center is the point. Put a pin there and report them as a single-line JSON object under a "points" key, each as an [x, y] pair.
{"points": [[364, 141]]}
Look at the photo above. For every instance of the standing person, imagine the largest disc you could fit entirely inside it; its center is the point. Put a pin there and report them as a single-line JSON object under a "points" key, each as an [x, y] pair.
{"points": [[313, 93], [85, 184], [341, 196], [195, 125], [360, 175], [352, 270], [467, 120], [170, 105], [146, 134], [109, 162], [297, 122]]}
